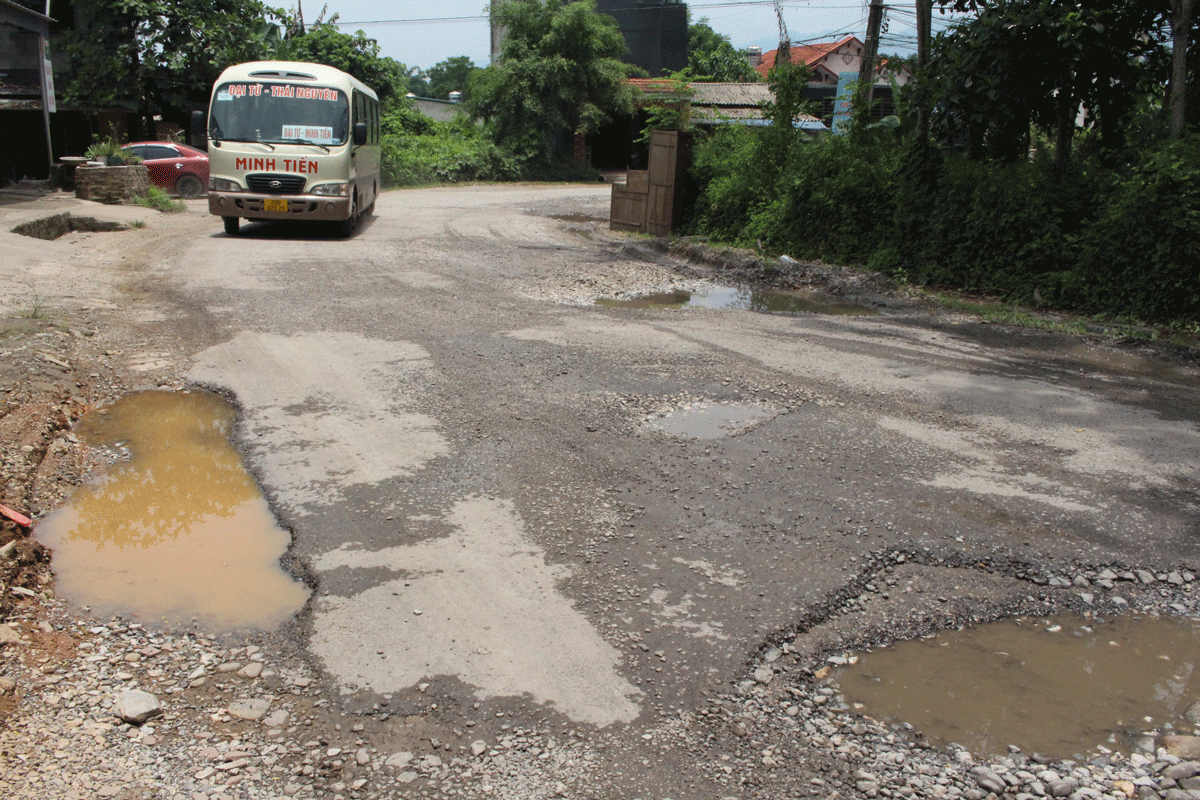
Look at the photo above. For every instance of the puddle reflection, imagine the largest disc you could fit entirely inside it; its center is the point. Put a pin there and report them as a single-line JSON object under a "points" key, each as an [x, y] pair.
{"points": [[762, 301], [1059, 686], [179, 530]]}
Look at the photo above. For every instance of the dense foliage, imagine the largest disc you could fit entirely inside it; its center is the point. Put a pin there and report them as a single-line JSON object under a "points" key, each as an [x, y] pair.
{"points": [[452, 75], [560, 75], [155, 57], [1012, 195], [419, 151], [712, 58]]}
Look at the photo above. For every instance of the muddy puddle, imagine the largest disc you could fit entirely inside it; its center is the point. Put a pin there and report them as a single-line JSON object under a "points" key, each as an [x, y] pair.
{"points": [[709, 420], [176, 529], [1127, 363], [762, 301], [1060, 686]]}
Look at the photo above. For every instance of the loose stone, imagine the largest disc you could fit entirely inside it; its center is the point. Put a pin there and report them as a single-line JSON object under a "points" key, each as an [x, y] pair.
{"points": [[136, 706]]}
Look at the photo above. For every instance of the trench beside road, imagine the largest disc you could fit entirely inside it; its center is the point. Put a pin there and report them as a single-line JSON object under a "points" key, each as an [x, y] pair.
{"points": [[561, 548]]}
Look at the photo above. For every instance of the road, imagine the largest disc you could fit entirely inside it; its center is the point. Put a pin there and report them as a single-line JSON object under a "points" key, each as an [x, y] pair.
{"points": [[519, 509]]}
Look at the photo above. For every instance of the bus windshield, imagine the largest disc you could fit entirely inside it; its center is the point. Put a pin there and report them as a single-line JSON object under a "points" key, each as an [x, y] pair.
{"points": [[280, 113]]}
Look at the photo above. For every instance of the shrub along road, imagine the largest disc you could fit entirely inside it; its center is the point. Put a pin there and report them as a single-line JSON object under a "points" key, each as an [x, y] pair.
{"points": [[592, 551]]}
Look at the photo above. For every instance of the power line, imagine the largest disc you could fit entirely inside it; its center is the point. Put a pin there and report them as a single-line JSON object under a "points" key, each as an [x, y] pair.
{"points": [[479, 17]]}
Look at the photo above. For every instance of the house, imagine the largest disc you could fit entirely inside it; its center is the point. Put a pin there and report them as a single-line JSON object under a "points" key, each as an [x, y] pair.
{"points": [[617, 145], [826, 61], [439, 110], [717, 103], [21, 115]]}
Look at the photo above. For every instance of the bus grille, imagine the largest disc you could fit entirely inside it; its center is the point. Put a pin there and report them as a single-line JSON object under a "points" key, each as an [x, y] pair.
{"points": [[275, 184]]}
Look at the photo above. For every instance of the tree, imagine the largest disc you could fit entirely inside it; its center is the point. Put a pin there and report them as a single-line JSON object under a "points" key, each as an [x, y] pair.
{"points": [[711, 57], [1021, 64], [452, 75], [356, 54], [158, 56], [559, 75]]}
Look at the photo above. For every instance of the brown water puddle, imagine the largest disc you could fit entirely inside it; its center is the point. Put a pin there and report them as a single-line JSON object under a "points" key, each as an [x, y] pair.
{"points": [[1059, 686], [178, 531]]}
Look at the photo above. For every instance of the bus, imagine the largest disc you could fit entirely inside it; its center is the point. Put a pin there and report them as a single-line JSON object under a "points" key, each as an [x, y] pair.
{"points": [[292, 141]]}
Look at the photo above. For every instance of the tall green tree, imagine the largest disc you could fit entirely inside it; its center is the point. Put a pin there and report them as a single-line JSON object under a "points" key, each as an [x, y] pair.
{"points": [[560, 74], [712, 58], [1024, 64], [156, 56], [452, 75], [356, 54]]}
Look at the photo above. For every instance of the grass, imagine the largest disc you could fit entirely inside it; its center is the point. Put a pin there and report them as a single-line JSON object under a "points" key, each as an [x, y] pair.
{"points": [[158, 200], [137, 223], [1011, 314]]}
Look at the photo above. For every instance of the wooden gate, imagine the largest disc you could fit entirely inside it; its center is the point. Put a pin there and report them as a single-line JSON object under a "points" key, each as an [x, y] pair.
{"points": [[651, 201]]}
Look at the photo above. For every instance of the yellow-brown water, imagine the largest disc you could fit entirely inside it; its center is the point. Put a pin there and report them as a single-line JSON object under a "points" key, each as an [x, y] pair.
{"points": [[1060, 686], [179, 530]]}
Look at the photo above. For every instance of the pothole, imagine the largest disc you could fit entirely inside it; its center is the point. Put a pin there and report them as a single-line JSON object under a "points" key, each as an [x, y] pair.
{"points": [[709, 420], [778, 301], [56, 225], [1060, 686], [176, 529]]}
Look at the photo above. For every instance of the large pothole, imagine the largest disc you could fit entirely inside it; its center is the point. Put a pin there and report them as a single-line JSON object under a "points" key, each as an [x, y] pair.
{"points": [[176, 529]]}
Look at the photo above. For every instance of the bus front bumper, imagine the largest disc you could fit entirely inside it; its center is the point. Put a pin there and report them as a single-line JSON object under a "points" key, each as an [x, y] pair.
{"points": [[298, 207]]}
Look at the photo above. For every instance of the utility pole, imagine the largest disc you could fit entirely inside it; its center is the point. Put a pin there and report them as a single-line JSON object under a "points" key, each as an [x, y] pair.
{"points": [[866, 72], [924, 24]]}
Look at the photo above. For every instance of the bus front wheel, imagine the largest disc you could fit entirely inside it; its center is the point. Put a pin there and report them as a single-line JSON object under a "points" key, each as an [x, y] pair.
{"points": [[231, 225], [346, 226]]}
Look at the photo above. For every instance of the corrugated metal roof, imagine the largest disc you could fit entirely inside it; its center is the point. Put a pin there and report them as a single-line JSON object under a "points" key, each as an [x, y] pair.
{"points": [[730, 94]]}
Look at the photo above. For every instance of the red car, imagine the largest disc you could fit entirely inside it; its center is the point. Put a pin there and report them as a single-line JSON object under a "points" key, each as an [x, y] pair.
{"points": [[173, 167]]}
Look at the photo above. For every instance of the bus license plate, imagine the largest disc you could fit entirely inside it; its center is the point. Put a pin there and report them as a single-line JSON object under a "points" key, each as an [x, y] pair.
{"points": [[275, 205]]}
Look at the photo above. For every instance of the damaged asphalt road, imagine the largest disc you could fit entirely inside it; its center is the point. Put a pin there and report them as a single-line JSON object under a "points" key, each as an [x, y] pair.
{"points": [[523, 510]]}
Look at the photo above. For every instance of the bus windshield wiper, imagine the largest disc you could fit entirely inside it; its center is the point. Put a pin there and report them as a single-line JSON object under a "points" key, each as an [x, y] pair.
{"points": [[249, 141], [301, 141]]}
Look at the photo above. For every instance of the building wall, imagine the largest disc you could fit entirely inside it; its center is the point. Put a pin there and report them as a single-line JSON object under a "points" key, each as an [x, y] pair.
{"points": [[655, 32]]}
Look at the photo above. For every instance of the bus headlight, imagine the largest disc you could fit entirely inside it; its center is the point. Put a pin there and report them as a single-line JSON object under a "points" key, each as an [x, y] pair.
{"points": [[222, 185], [331, 190]]}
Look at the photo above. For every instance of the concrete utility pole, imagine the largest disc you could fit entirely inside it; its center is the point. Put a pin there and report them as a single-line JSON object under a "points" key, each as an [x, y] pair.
{"points": [[924, 24], [866, 71]]}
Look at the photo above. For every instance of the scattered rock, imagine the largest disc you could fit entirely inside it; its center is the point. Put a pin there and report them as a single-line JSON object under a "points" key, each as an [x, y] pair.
{"points": [[1184, 747], [137, 707], [251, 710]]}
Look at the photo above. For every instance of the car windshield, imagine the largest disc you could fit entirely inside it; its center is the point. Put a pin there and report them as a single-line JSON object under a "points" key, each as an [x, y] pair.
{"points": [[279, 112]]}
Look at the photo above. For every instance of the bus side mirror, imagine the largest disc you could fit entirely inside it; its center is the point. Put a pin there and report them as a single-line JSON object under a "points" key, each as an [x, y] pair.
{"points": [[360, 133]]}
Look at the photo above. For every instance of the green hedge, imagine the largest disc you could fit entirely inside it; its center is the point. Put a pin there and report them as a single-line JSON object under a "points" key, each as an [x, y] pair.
{"points": [[1122, 242], [420, 151]]}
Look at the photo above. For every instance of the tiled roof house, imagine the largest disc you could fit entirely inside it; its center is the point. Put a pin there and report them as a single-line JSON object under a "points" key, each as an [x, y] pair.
{"points": [[828, 59]]}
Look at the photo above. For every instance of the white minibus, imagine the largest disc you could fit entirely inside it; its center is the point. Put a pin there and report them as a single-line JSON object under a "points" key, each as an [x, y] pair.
{"points": [[292, 141]]}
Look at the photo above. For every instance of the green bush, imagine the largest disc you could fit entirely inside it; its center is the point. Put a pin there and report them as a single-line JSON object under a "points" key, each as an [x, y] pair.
{"points": [[417, 152], [1141, 254], [1122, 242]]}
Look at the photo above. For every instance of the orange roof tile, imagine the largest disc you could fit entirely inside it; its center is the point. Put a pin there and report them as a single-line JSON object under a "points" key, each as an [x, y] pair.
{"points": [[808, 54]]}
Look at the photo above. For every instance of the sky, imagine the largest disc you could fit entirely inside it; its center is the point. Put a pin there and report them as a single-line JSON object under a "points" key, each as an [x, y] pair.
{"points": [[418, 33]]}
